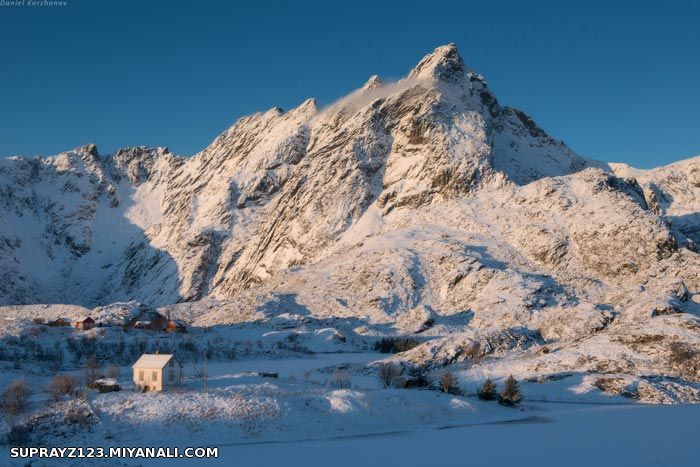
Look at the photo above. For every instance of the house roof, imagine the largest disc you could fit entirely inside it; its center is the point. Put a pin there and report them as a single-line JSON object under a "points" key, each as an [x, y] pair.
{"points": [[152, 360], [87, 320]]}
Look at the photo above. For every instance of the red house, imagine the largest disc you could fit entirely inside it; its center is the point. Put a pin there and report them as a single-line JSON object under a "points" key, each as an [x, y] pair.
{"points": [[84, 325], [175, 326]]}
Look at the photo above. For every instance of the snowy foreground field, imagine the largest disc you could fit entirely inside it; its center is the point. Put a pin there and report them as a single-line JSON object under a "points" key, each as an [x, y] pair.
{"points": [[298, 418], [547, 434], [290, 389]]}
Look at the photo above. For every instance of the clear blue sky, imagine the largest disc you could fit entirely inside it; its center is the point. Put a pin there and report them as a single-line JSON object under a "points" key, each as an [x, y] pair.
{"points": [[617, 81]]}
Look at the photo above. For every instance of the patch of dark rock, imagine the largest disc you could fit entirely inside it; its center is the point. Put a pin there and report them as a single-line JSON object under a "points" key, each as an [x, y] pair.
{"points": [[548, 378], [395, 344]]}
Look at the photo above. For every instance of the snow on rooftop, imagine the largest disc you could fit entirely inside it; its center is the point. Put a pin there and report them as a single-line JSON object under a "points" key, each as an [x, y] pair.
{"points": [[152, 360]]}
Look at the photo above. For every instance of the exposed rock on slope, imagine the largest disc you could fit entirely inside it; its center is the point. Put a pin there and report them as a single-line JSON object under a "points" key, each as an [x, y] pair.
{"points": [[673, 192]]}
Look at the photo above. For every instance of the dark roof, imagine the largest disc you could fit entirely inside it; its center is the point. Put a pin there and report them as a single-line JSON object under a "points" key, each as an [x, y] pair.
{"points": [[87, 320]]}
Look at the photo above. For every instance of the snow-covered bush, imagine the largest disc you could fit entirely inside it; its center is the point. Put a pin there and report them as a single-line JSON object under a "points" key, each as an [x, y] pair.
{"points": [[78, 413], [190, 406], [60, 420]]}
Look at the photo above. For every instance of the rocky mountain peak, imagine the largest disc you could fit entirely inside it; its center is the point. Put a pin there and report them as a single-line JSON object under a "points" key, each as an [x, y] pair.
{"points": [[444, 64], [136, 162], [372, 83], [307, 108], [88, 150]]}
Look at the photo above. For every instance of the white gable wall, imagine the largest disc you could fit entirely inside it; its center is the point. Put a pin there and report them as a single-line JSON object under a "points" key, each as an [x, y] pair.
{"points": [[156, 377]]}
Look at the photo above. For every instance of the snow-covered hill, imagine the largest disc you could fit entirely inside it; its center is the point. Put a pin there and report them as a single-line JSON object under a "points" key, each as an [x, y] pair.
{"points": [[419, 205]]}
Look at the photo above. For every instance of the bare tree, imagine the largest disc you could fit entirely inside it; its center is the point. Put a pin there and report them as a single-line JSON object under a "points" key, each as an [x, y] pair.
{"points": [[448, 382], [15, 400], [91, 367], [62, 385], [340, 379], [201, 373], [58, 357], [475, 353], [388, 373]]}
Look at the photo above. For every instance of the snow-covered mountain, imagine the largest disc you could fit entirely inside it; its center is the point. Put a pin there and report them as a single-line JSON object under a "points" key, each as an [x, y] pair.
{"points": [[422, 203], [275, 190]]}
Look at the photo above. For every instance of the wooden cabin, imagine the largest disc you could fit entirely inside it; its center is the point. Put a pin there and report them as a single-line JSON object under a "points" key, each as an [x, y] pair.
{"points": [[86, 324], [150, 320]]}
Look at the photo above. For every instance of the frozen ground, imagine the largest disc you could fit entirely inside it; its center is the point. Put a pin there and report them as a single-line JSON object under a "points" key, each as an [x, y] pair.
{"points": [[554, 435], [544, 434], [298, 419]]}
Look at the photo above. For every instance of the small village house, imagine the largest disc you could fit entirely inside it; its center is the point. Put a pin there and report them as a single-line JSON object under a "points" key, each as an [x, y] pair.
{"points": [[175, 325], [157, 323], [152, 321], [155, 372], [86, 324], [59, 322]]}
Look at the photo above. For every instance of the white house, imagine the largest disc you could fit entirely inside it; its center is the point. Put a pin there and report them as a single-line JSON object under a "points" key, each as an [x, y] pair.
{"points": [[155, 372]]}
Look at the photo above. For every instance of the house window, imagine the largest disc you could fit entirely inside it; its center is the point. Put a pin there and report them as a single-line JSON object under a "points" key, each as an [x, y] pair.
{"points": [[141, 375], [154, 376], [171, 375]]}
